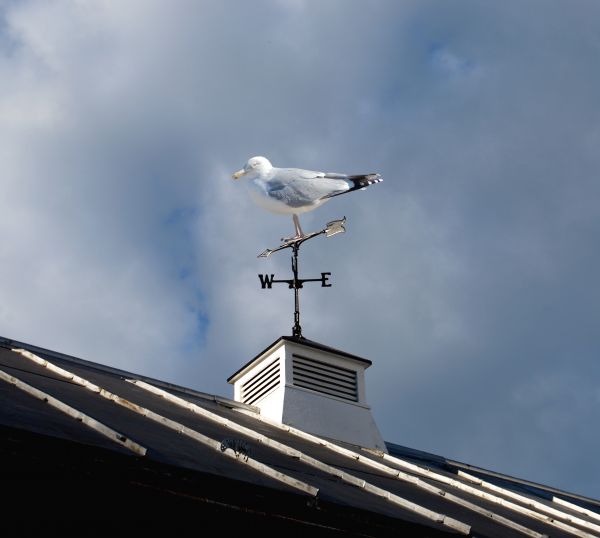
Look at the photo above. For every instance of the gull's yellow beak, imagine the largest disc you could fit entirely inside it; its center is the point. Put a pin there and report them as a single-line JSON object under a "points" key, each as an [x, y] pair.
{"points": [[239, 174]]}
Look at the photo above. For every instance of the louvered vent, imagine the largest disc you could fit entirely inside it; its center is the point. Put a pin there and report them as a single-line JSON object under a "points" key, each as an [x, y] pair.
{"points": [[325, 378], [261, 384]]}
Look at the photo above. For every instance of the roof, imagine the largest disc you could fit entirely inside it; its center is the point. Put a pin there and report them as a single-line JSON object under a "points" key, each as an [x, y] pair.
{"points": [[50, 401]]}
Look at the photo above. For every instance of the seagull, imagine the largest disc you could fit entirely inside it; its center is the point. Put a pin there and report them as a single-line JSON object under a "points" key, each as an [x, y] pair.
{"points": [[291, 191]]}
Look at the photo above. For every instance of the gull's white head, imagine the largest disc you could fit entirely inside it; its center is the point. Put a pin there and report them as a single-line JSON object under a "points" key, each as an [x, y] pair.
{"points": [[254, 167]]}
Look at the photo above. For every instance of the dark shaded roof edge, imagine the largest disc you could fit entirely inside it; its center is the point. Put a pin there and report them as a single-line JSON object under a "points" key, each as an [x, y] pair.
{"points": [[9, 342], [173, 497], [305, 342]]}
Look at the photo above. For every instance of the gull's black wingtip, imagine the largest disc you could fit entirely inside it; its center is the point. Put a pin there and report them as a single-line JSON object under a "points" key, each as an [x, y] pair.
{"points": [[364, 180]]}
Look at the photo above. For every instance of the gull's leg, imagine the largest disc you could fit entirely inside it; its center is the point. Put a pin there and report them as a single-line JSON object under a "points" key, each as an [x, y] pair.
{"points": [[299, 232], [297, 229]]}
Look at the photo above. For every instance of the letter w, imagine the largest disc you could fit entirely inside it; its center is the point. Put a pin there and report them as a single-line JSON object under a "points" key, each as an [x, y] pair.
{"points": [[266, 281]]}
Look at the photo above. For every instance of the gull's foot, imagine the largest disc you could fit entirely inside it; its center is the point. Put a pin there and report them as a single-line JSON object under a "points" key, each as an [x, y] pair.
{"points": [[290, 240]]}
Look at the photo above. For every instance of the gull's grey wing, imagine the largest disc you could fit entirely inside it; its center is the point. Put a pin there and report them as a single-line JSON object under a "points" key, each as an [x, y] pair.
{"points": [[297, 187]]}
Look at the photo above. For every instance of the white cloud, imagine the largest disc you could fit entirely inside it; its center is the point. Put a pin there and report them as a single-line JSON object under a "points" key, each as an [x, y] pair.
{"points": [[449, 63]]}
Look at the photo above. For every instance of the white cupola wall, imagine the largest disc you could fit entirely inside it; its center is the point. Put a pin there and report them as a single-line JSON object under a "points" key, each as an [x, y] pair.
{"points": [[312, 387]]}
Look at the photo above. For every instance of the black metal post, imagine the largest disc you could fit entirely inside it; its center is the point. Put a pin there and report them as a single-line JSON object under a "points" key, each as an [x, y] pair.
{"points": [[296, 330]]}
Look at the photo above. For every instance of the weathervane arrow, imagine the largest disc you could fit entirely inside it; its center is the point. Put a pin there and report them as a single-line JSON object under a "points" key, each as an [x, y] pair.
{"points": [[331, 228]]}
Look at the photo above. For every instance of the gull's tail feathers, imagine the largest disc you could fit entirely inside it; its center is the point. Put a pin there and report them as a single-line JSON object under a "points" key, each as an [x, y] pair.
{"points": [[361, 181]]}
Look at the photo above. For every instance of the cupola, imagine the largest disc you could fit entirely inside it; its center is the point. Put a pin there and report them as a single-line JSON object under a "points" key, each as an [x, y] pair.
{"points": [[312, 387]]}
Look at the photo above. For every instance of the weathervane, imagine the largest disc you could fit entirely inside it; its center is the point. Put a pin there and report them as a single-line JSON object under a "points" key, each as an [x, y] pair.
{"points": [[266, 281], [292, 191]]}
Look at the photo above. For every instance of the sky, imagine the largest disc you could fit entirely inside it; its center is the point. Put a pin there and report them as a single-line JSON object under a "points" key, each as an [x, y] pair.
{"points": [[469, 276]]}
